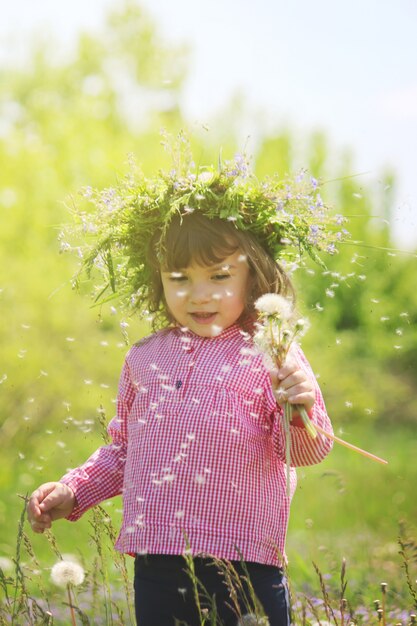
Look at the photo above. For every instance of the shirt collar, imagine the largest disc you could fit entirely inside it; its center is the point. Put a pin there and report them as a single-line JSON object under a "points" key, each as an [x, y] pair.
{"points": [[241, 329]]}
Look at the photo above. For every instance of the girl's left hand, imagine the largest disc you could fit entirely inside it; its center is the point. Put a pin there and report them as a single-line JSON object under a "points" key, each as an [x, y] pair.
{"points": [[292, 384]]}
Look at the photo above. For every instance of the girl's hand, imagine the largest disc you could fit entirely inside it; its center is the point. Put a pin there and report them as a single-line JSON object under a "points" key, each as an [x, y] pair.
{"points": [[292, 384], [49, 502]]}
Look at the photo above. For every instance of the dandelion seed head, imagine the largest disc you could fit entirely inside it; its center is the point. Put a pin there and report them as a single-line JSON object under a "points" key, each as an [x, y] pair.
{"points": [[6, 564], [274, 304], [66, 573]]}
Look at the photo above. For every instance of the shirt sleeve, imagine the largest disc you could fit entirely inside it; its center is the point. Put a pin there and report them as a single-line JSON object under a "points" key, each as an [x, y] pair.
{"points": [[305, 450], [101, 476]]}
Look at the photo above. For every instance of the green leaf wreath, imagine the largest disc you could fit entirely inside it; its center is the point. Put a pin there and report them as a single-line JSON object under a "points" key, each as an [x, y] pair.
{"points": [[114, 227]]}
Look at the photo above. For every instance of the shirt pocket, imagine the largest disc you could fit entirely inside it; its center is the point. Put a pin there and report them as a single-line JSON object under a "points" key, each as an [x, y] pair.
{"points": [[233, 410]]}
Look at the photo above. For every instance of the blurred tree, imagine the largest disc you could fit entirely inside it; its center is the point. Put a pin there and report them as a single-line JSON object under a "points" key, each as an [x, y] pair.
{"points": [[363, 308], [65, 124]]}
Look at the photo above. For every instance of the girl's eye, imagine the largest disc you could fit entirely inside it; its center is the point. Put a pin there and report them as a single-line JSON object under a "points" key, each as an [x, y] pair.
{"points": [[221, 276], [177, 278]]}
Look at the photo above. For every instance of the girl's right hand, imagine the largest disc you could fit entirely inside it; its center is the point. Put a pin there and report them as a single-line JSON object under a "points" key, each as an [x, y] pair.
{"points": [[47, 503]]}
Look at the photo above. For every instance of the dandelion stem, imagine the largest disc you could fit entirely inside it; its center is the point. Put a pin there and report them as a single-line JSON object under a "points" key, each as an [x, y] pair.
{"points": [[311, 429], [369, 455], [287, 420], [73, 622]]}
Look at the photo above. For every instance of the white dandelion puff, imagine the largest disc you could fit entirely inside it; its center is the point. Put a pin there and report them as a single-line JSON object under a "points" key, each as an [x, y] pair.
{"points": [[6, 564], [66, 573], [274, 304]]}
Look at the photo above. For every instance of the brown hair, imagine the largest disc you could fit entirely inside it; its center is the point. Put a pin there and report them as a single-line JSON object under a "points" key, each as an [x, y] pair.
{"points": [[196, 238]]}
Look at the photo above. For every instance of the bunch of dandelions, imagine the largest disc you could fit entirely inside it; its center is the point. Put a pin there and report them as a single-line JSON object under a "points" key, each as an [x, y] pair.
{"points": [[275, 334], [276, 331], [68, 574]]}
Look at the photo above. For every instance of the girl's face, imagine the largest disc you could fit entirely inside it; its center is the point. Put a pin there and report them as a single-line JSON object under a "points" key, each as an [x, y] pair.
{"points": [[206, 299]]}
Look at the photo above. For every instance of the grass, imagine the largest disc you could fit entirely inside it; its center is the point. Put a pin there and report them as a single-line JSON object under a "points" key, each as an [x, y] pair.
{"points": [[29, 597], [347, 515]]}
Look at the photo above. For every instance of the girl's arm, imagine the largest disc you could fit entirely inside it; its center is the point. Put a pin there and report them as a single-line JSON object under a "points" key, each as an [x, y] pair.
{"points": [[299, 386]]}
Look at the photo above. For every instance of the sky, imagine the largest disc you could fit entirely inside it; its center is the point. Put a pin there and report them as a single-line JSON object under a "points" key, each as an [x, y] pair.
{"points": [[349, 69]]}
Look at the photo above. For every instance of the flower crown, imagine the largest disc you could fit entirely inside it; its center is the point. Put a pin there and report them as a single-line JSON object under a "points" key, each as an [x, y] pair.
{"points": [[115, 230]]}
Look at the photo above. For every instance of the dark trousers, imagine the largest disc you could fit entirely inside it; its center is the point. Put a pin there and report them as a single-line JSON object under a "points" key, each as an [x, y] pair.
{"points": [[165, 594]]}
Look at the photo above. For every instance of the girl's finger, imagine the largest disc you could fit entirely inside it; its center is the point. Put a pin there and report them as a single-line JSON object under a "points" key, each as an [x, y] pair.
{"points": [[295, 378], [289, 367]]}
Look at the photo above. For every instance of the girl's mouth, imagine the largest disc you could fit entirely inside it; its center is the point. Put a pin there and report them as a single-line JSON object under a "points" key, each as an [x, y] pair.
{"points": [[203, 318]]}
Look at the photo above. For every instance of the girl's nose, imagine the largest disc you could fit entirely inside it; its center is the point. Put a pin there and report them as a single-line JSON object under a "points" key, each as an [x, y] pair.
{"points": [[200, 293]]}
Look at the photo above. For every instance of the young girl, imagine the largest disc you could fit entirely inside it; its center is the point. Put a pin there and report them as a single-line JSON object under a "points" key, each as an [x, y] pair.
{"points": [[198, 445]]}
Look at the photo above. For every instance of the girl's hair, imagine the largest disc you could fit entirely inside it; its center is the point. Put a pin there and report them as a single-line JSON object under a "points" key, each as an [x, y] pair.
{"points": [[195, 238]]}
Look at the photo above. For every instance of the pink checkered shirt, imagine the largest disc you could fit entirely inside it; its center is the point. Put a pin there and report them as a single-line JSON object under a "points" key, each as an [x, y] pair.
{"points": [[198, 450]]}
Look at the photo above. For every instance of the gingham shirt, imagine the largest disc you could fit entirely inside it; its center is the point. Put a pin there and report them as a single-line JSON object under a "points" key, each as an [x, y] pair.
{"points": [[198, 450]]}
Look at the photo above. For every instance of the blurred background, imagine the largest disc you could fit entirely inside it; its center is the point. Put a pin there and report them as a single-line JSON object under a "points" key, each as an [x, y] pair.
{"points": [[318, 85]]}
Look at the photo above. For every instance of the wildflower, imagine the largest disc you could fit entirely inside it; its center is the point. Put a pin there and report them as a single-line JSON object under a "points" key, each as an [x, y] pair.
{"points": [[274, 304], [66, 573]]}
